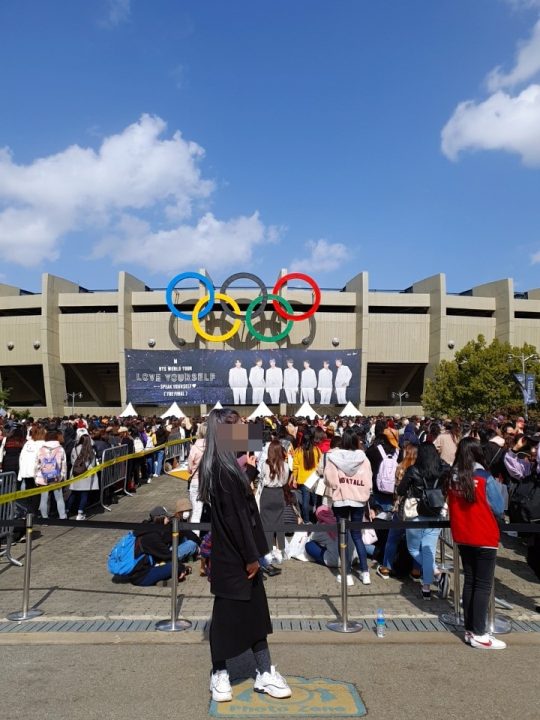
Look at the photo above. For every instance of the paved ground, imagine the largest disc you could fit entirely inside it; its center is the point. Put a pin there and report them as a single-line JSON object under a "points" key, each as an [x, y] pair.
{"points": [[140, 681], [70, 578]]}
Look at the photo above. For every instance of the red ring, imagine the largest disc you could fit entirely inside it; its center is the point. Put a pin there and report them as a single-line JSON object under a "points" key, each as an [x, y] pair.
{"points": [[310, 281]]}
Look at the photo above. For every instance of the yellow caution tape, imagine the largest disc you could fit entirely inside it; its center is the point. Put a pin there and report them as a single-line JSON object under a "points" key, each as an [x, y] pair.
{"points": [[23, 494]]}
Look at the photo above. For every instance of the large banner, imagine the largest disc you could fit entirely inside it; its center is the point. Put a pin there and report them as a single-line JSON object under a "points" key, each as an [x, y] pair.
{"points": [[240, 377]]}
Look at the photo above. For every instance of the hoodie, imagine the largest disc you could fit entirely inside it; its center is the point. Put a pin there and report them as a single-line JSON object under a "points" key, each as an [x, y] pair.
{"points": [[28, 457], [194, 460], [348, 477]]}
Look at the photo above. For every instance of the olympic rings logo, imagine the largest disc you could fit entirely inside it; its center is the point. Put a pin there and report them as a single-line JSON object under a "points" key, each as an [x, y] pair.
{"points": [[230, 307]]}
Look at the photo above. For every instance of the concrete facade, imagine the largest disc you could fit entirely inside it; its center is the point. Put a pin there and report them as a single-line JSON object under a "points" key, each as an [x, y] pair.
{"points": [[68, 340]]}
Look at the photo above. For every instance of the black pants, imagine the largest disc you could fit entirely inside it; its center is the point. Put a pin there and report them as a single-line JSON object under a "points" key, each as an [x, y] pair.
{"points": [[479, 569]]}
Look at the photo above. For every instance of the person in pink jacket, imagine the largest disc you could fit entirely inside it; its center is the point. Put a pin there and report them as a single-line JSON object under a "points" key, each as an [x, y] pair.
{"points": [[348, 477]]}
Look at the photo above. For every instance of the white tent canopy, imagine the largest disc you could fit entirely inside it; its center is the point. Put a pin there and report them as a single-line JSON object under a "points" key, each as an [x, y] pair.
{"points": [[307, 411], [350, 411], [262, 411], [217, 406], [173, 411], [129, 411]]}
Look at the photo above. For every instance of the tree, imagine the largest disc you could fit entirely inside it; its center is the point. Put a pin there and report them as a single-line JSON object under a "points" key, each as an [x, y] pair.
{"points": [[479, 381]]}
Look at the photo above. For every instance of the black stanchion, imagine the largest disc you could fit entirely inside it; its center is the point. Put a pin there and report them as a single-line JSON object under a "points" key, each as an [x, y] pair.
{"points": [[174, 625], [26, 613], [345, 625]]}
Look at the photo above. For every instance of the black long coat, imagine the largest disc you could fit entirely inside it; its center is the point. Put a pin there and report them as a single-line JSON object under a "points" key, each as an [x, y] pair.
{"points": [[237, 537]]}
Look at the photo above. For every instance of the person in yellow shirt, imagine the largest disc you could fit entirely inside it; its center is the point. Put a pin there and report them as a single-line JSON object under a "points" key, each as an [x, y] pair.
{"points": [[305, 461]]}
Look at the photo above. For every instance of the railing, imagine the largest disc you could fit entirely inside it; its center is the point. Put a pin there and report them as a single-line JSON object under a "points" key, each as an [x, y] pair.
{"points": [[112, 475], [344, 624], [8, 485]]}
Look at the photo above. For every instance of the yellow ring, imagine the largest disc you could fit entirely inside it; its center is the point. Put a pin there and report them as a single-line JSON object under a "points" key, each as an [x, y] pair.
{"points": [[216, 338]]}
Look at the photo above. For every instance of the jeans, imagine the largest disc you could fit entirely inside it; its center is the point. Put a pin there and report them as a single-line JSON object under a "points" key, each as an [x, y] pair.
{"points": [[422, 545], [305, 500], [44, 504], [155, 574], [149, 465], [354, 514], [187, 548], [479, 569], [315, 551], [386, 502], [159, 456], [391, 547], [77, 498]]}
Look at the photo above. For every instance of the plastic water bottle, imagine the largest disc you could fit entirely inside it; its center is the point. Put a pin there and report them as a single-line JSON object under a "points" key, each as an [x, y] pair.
{"points": [[380, 623]]}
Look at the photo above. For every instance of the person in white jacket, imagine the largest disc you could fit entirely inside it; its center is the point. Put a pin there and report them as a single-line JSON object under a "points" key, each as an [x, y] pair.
{"points": [[308, 383], [27, 464], [291, 380], [51, 467], [194, 459], [256, 380], [343, 378], [84, 449], [238, 382], [325, 383], [274, 381]]}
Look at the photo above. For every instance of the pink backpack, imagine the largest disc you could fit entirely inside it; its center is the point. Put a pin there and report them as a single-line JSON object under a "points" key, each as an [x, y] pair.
{"points": [[386, 477]]}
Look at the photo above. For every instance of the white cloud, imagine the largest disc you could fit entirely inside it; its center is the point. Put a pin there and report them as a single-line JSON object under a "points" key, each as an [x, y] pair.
{"points": [[212, 243], [321, 256], [118, 11], [535, 258], [527, 64], [136, 194], [501, 122]]}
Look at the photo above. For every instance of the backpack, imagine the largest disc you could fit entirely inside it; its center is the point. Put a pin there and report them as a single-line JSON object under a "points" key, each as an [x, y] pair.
{"points": [[386, 476], [79, 466], [49, 466], [122, 559], [432, 500], [524, 505]]}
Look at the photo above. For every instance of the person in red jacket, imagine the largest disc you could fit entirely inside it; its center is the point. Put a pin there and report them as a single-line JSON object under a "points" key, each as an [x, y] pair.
{"points": [[474, 503]]}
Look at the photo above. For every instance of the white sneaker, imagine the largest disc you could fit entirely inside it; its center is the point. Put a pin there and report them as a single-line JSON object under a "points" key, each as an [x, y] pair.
{"points": [[277, 555], [155, 475], [148, 480], [350, 580], [272, 683], [220, 686], [80, 516], [486, 642], [364, 577]]}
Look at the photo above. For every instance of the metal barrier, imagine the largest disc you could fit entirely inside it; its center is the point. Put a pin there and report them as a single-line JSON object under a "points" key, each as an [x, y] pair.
{"points": [[8, 484], [455, 618], [445, 541], [177, 451], [115, 474]]}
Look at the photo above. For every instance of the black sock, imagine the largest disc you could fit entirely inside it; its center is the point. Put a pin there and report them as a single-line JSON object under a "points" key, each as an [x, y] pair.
{"points": [[262, 656]]}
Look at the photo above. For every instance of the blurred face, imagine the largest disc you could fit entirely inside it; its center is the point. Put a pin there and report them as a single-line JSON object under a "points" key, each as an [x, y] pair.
{"points": [[272, 363], [338, 363], [240, 437], [238, 364], [306, 364]]}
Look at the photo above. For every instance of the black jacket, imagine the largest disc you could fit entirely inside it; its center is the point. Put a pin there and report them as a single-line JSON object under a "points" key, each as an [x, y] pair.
{"points": [[155, 540], [412, 484], [237, 536]]}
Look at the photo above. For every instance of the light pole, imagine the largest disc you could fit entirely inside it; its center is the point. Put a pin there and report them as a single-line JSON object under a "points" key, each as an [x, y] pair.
{"points": [[72, 396], [400, 395], [524, 359]]}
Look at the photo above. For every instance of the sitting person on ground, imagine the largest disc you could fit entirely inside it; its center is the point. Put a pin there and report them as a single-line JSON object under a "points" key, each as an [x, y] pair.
{"points": [[322, 547], [153, 552]]}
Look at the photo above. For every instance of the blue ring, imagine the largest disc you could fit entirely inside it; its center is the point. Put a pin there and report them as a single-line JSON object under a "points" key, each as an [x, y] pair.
{"points": [[195, 276]]}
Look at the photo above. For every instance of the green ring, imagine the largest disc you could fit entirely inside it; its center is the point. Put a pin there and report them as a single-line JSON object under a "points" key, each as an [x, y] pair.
{"points": [[273, 338]]}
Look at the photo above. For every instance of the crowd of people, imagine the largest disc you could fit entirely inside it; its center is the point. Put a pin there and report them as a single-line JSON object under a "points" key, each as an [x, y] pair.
{"points": [[304, 470]]}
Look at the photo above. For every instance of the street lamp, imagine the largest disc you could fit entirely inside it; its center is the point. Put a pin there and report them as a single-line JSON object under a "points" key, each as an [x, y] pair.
{"points": [[400, 395], [524, 359], [74, 395]]}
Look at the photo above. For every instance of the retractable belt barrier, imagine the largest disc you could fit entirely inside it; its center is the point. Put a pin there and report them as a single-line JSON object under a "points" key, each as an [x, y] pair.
{"points": [[344, 625], [23, 494]]}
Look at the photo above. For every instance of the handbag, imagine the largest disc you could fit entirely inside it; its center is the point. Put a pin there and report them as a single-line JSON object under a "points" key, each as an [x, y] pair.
{"points": [[312, 480], [408, 509]]}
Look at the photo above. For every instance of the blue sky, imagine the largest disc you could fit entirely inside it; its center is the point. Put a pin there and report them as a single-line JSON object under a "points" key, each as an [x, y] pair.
{"points": [[158, 136]]}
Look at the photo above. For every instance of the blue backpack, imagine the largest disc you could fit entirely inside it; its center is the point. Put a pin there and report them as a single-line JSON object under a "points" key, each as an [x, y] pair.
{"points": [[122, 559]]}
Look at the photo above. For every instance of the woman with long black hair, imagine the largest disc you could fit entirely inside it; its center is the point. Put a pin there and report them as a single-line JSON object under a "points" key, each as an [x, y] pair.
{"points": [[240, 617], [474, 503]]}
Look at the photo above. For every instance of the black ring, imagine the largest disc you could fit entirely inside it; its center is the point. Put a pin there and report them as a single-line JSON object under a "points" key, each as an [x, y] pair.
{"points": [[249, 276]]}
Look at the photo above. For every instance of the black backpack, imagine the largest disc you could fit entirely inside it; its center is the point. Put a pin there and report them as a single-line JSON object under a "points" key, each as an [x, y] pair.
{"points": [[524, 505]]}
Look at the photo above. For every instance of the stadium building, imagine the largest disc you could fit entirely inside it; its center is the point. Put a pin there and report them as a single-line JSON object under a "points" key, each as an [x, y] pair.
{"points": [[68, 346]]}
